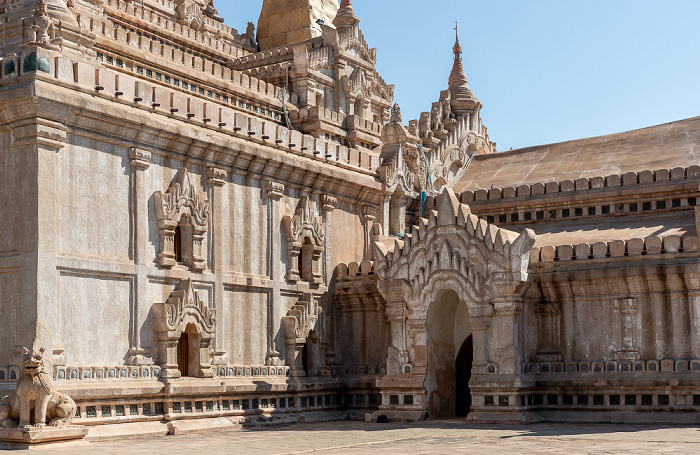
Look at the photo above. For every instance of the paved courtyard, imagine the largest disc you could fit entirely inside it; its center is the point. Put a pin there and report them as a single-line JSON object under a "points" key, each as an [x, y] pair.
{"points": [[450, 437]]}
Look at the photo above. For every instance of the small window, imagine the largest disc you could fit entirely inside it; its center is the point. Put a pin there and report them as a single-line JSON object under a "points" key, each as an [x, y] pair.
{"points": [[177, 244]]}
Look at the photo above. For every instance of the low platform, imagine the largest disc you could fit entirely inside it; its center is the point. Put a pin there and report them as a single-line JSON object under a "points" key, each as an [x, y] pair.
{"points": [[42, 435]]}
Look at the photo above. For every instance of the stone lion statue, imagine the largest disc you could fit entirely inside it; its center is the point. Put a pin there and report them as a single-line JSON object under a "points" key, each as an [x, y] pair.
{"points": [[34, 392], [424, 125]]}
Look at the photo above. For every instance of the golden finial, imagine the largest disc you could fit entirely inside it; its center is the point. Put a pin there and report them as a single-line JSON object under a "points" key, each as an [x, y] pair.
{"points": [[457, 49]]}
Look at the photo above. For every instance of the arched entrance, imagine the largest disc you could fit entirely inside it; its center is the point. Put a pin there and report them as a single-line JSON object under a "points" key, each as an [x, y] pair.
{"points": [[455, 275], [448, 329]]}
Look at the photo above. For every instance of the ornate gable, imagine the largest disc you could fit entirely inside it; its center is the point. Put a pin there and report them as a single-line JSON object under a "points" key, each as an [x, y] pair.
{"points": [[483, 260], [184, 307], [304, 223]]}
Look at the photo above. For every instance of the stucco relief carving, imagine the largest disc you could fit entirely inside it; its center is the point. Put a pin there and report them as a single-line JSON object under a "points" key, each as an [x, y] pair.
{"points": [[182, 311], [190, 12], [401, 165], [305, 234], [183, 216], [300, 320], [454, 250], [41, 27], [356, 85], [352, 39], [480, 252]]}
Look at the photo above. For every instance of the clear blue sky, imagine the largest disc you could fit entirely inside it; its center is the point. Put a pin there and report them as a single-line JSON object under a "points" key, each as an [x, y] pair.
{"points": [[545, 71]]}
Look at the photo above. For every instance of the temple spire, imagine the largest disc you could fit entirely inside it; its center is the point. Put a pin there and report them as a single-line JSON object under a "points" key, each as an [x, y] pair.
{"points": [[346, 16], [463, 99]]}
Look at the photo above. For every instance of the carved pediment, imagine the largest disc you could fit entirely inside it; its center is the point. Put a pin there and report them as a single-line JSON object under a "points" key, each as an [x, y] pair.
{"points": [[319, 59], [305, 223], [301, 318], [484, 258], [184, 307], [183, 197], [357, 85], [352, 39], [396, 171]]}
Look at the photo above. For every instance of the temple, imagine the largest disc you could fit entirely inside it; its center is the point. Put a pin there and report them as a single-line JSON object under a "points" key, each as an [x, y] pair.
{"points": [[198, 222]]}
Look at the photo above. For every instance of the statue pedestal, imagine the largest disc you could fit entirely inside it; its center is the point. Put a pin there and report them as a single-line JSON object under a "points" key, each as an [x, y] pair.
{"points": [[36, 435]]}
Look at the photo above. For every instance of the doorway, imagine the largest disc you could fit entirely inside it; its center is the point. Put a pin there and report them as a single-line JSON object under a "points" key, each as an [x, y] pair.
{"points": [[463, 369], [449, 350], [188, 352], [183, 354]]}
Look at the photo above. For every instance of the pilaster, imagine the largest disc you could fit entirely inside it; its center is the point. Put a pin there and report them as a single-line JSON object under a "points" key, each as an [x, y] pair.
{"points": [[139, 163], [625, 321], [216, 247], [37, 143], [274, 192], [369, 215]]}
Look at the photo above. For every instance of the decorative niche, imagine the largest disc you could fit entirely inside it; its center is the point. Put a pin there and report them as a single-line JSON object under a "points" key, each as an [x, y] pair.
{"points": [[183, 217], [305, 242], [185, 329]]}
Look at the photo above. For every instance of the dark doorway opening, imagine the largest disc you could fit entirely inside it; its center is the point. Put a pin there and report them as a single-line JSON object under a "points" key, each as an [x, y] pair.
{"points": [[177, 244], [463, 371], [183, 354], [305, 358]]}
